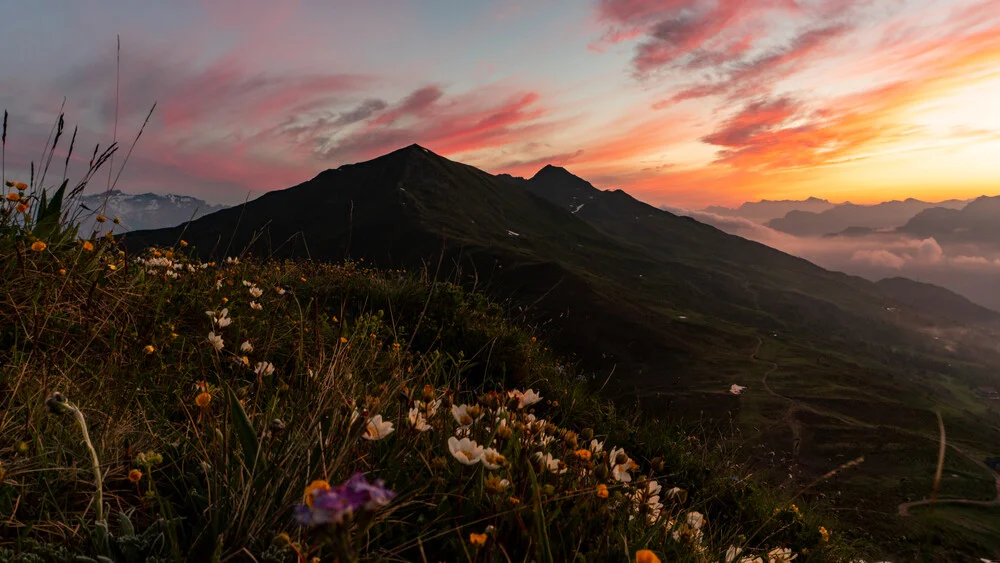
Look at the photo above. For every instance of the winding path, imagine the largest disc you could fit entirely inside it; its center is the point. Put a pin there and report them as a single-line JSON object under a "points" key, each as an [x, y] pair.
{"points": [[904, 508]]}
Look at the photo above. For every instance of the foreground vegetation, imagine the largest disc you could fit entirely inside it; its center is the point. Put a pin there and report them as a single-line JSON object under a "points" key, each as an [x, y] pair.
{"points": [[157, 408]]}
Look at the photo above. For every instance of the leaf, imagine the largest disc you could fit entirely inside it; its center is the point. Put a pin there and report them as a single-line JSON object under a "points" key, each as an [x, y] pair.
{"points": [[244, 431], [49, 211]]}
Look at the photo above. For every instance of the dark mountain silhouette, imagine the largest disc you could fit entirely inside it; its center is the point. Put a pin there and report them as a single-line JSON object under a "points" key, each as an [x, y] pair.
{"points": [[937, 302], [765, 210], [978, 223], [886, 215]]}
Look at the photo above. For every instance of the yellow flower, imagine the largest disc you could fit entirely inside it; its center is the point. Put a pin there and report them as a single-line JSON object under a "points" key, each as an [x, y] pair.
{"points": [[203, 399], [824, 534], [149, 349], [101, 218], [478, 540], [21, 186], [13, 196], [88, 246], [62, 271], [112, 267], [313, 488], [39, 246], [583, 454], [22, 207], [602, 491], [135, 475], [646, 556], [343, 340], [117, 220]]}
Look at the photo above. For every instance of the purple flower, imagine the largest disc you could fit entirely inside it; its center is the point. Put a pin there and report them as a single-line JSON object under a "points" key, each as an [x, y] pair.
{"points": [[332, 506]]}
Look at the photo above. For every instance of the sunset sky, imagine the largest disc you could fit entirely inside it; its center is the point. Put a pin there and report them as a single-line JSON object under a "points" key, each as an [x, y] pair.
{"points": [[680, 102]]}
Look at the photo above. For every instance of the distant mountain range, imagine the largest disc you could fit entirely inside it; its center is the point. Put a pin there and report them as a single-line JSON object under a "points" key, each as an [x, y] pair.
{"points": [[765, 210], [977, 223], [885, 215], [140, 211]]}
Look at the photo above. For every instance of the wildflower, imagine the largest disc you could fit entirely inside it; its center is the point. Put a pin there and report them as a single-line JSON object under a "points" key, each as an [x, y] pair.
{"points": [[279, 291], [263, 369], [621, 467], [222, 320], [377, 428], [325, 504], [477, 540], [602, 491], [112, 267], [824, 534], [149, 349], [62, 271], [148, 459], [781, 555], [13, 196], [256, 306], [231, 260], [88, 246], [22, 207], [246, 347], [550, 463], [732, 553], [256, 292], [736, 389], [596, 447], [203, 399], [343, 340], [216, 341], [465, 450], [100, 218], [492, 459], [524, 399], [646, 556], [582, 454], [39, 246], [465, 415], [695, 520], [495, 484], [429, 407], [417, 420], [183, 242], [117, 220], [135, 475]]}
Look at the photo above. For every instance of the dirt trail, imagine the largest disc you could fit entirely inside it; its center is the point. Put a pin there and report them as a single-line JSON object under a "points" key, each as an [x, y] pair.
{"points": [[904, 508]]}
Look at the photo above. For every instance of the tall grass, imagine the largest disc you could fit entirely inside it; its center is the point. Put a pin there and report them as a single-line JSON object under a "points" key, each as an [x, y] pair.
{"points": [[215, 393]]}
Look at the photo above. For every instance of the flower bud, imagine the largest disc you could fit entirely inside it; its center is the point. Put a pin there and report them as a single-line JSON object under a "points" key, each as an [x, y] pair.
{"points": [[587, 434]]}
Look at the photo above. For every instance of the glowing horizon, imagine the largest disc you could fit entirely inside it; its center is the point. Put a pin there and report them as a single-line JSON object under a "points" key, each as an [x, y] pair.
{"points": [[685, 103]]}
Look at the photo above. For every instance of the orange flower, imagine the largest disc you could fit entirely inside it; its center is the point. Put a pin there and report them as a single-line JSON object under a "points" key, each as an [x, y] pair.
{"points": [[583, 454], [135, 475], [314, 487], [203, 399], [39, 246], [117, 220], [184, 242], [602, 491], [149, 349], [22, 207], [100, 218], [62, 271], [646, 556], [13, 196], [478, 540], [112, 267], [21, 186], [88, 246]]}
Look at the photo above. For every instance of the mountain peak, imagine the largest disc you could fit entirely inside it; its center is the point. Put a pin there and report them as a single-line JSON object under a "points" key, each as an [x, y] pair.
{"points": [[553, 171]]}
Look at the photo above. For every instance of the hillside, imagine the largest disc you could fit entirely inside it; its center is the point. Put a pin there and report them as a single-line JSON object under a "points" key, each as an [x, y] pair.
{"points": [[937, 302], [666, 311]]}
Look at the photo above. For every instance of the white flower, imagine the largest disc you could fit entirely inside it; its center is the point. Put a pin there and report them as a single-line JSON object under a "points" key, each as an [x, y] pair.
{"points": [[736, 389], [430, 409], [417, 420], [491, 458], [256, 306], [524, 399], [780, 555], [263, 369], [256, 291], [465, 450], [377, 428], [695, 520], [216, 341], [732, 553], [620, 471], [550, 463], [279, 290], [218, 284], [674, 492], [223, 322], [462, 415], [231, 260], [246, 347], [653, 488], [247, 283], [596, 447]]}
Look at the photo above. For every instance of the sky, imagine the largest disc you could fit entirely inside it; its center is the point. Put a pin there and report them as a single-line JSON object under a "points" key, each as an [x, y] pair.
{"points": [[685, 103]]}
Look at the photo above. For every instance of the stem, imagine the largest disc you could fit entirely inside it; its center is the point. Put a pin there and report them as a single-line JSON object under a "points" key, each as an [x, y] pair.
{"points": [[96, 465]]}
